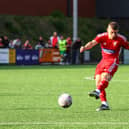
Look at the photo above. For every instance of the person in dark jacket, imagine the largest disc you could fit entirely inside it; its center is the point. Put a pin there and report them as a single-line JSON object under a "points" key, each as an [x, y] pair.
{"points": [[5, 41], [75, 51], [41, 42]]}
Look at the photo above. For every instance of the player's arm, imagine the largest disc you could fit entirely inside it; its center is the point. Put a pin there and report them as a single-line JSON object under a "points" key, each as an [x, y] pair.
{"points": [[88, 46], [126, 45]]}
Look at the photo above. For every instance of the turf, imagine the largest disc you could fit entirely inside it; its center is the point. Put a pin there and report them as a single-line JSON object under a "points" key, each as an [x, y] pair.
{"points": [[28, 98]]}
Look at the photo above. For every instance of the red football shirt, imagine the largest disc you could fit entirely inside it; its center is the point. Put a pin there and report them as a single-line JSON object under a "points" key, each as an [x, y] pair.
{"points": [[111, 47], [54, 41]]}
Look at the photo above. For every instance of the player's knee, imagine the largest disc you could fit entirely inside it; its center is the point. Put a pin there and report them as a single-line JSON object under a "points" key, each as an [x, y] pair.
{"points": [[106, 76], [98, 79]]}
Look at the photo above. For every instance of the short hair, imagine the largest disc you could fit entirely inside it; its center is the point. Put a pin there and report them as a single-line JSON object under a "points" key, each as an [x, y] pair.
{"points": [[114, 25]]}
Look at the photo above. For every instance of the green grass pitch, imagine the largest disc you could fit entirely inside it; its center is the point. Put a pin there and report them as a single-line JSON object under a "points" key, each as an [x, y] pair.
{"points": [[28, 98]]}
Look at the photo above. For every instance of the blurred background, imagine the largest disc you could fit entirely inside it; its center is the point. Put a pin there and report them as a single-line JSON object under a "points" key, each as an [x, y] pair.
{"points": [[27, 30]]}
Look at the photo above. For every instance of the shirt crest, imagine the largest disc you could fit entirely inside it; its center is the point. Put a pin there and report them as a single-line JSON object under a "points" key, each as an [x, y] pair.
{"points": [[104, 43], [115, 43]]}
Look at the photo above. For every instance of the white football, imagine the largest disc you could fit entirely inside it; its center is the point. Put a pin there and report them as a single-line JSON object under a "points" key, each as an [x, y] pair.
{"points": [[65, 100]]}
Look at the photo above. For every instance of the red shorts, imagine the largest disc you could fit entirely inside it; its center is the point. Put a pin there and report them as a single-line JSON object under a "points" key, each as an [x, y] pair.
{"points": [[109, 66]]}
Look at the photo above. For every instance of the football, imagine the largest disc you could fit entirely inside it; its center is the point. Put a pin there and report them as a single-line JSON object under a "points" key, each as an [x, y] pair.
{"points": [[65, 100]]}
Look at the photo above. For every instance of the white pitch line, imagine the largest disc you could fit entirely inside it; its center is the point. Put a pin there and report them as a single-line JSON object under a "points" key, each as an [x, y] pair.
{"points": [[92, 78], [61, 123], [89, 78]]}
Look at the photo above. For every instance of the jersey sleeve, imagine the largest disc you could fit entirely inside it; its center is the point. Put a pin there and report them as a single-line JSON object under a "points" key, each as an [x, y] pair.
{"points": [[125, 44], [99, 38]]}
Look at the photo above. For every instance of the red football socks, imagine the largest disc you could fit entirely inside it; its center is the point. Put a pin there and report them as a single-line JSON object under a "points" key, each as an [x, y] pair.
{"points": [[103, 85]]}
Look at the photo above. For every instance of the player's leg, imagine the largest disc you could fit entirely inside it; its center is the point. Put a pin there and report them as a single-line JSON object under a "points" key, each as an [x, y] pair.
{"points": [[102, 81], [97, 79], [95, 93], [104, 105], [106, 71], [98, 72], [102, 95], [105, 78]]}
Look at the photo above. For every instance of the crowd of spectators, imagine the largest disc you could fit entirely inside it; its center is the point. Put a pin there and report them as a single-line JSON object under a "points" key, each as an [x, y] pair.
{"points": [[69, 50]]}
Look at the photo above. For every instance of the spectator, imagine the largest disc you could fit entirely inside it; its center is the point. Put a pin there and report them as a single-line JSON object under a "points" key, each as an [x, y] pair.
{"points": [[11, 45], [76, 51], [62, 49], [27, 45], [41, 41], [54, 40], [16, 43], [38, 46], [6, 42], [48, 44], [68, 50], [1, 43]]}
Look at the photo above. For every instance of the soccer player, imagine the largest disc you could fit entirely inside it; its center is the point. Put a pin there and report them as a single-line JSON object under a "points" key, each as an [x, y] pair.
{"points": [[111, 43]]}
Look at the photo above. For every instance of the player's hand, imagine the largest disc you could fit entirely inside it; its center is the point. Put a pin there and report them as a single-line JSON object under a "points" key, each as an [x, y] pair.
{"points": [[82, 49]]}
